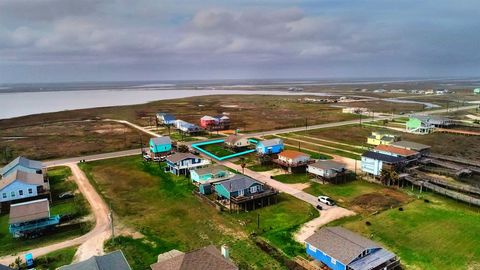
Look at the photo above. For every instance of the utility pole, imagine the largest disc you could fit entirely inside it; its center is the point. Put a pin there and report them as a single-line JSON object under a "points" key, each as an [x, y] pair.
{"points": [[306, 125]]}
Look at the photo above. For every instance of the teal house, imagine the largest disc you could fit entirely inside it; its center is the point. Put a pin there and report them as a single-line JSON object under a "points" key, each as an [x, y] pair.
{"points": [[160, 145], [237, 186], [210, 174]]}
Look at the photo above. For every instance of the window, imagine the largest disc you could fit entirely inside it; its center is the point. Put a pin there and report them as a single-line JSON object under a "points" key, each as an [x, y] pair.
{"points": [[12, 194], [241, 192], [20, 193], [253, 189], [30, 191], [4, 195]]}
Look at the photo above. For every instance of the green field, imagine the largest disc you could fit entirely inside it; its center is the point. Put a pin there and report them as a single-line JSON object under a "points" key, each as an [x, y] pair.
{"points": [[76, 207], [161, 206], [218, 149], [55, 259], [440, 235], [293, 178]]}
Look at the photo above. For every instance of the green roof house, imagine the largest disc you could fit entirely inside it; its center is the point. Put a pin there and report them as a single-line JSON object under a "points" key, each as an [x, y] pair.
{"points": [[418, 126], [476, 91]]}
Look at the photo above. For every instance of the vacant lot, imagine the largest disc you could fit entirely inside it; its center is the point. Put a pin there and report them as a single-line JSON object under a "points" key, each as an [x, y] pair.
{"points": [[440, 235], [67, 139], [75, 207], [163, 209], [218, 149]]}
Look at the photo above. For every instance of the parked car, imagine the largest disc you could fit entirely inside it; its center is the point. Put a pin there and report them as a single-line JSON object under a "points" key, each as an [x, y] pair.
{"points": [[66, 195], [194, 152], [326, 200], [158, 159], [319, 207], [147, 157]]}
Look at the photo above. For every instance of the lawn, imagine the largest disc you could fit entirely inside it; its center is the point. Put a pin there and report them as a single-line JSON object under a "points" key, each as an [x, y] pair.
{"points": [[262, 167], [440, 235], [161, 206], [218, 149], [55, 259], [293, 178], [76, 207]]}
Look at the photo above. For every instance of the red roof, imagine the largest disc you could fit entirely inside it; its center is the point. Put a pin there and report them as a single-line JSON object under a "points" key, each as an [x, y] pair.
{"points": [[395, 150], [292, 154]]}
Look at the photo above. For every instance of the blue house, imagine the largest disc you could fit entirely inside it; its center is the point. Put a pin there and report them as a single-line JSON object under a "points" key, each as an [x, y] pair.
{"points": [[21, 185], [210, 174], [160, 146], [374, 162], [165, 119], [272, 146], [182, 163], [30, 217], [23, 164], [341, 249], [186, 127], [239, 185]]}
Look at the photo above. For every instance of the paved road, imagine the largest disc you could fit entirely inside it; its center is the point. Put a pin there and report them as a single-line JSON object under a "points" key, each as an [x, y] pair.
{"points": [[124, 153], [90, 243]]}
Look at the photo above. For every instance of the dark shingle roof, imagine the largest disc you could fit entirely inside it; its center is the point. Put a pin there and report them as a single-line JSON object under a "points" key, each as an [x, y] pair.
{"points": [[22, 161], [3, 267], [238, 182], [161, 140], [201, 259], [271, 142], [111, 261], [180, 156], [340, 244], [382, 157]]}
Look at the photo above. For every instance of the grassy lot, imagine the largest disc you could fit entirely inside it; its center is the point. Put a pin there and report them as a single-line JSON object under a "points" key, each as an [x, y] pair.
{"points": [[440, 235], [161, 207], [308, 148], [66, 139], [293, 178], [76, 207], [218, 149], [262, 167], [55, 259]]}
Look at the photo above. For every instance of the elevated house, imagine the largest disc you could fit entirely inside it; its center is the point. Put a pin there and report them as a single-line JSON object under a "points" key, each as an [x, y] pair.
{"points": [[186, 127], [165, 119], [218, 122], [272, 146], [380, 137], [237, 141], [182, 163], [30, 217], [20, 186], [425, 124], [373, 162], [23, 164], [476, 91], [293, 160], [201, 259], [160, 146], [421, 148], [210, 174], [327, 169], [341, 249], [243, 192], [113, 260], [391, 150]]}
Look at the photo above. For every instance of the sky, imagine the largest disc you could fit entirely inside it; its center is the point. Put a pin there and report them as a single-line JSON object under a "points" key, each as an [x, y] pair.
{"points": [[110, 40]]}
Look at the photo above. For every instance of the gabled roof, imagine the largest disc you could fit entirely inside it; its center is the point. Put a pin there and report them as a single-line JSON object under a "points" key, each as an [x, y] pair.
{"points": [[293, 154], [24, 162], [341, 244], [382, 157], [161, 140], [214, 169], [328, 165], [271, 142], [29, 211], [201, 259], [411, 145], [166, 116], [113, 260], [395, 150], [180, 156], [238, 182], [25, 177], [208, 117], [232, 139]]}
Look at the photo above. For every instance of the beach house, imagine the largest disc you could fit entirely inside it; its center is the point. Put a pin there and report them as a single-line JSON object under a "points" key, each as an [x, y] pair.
{"points": [[160, 146], [272, 146]]}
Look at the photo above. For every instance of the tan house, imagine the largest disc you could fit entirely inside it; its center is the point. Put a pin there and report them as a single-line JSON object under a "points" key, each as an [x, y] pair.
{"points": [[237, 141]]}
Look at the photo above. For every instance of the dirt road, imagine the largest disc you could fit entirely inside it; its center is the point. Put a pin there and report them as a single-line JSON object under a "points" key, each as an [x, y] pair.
{"points": [[90, 243]]}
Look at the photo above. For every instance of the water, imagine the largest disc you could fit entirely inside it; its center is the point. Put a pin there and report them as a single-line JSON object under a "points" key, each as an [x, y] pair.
{"points": [[26, 103]]}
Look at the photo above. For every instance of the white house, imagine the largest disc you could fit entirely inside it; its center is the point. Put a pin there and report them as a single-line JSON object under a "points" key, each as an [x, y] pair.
{"points": [[292, 157], [237, 141], [326, 168]]}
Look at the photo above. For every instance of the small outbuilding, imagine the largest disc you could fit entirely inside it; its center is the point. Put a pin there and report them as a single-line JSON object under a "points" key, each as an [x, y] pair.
{"points": [[272, 146], [341, 249]]}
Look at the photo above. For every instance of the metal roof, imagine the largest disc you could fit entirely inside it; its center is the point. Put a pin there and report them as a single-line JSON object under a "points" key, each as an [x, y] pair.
{"points": [[238, 182], [411, 145], [166, 116], [29, 211], [271, 142], [22, 161], [180, 156], [341, 244], [29, 178], [372, 260], [113, 260], [328, 165], [214, 169], [383, 157], [161, 140]]}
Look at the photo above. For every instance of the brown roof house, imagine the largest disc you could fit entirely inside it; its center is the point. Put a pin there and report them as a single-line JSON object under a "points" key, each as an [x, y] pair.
{"points": [[30, 217], [237, 141], [293, 159], [206, 258]]}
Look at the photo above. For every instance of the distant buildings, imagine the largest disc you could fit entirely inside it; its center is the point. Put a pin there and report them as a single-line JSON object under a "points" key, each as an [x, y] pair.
{"points": [[355, 110], [272, 146], [165, 119], [186, 127], [29, 217], [380, 137], [113, 260], [218, 122], [341, 249], [201, 259], [476, 91], [425, 124]]}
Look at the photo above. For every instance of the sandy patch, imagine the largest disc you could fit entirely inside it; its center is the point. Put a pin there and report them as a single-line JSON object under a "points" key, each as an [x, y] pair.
{"points": [[229, 106]]}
